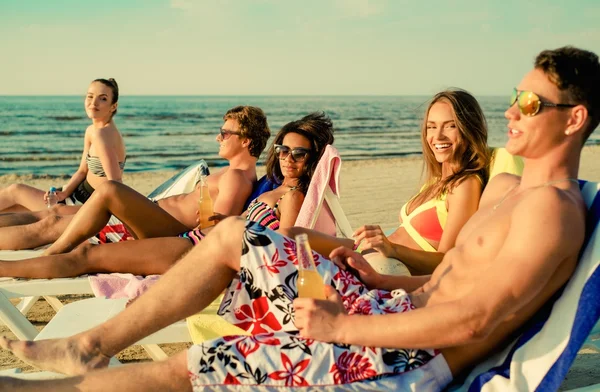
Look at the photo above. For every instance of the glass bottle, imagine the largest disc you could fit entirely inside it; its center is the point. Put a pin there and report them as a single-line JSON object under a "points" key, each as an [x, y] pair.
{"points": [[310, 283], [205, 205]]}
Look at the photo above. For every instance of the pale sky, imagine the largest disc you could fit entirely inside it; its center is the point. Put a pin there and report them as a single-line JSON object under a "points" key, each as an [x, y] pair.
{"points": [[283, 47]]}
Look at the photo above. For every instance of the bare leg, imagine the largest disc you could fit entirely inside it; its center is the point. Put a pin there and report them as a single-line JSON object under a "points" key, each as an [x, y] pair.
{"points": [[25, 218], [169, 375], [143, 217], [18, 218], [24, 195], [46, 231], [187, 288], [142, 257]]}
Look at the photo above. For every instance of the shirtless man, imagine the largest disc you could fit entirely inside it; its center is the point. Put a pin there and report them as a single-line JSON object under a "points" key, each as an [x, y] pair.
{"points": [[510, 258], [242, 139]]}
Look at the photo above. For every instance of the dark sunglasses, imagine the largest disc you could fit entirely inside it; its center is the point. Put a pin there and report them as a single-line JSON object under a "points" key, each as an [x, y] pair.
{"points": [[298, 154], [530, 103], [225, 133]]}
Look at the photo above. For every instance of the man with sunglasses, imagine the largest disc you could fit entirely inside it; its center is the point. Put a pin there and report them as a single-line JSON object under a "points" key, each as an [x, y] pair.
{"points": [[242, 138], [511, 257]]}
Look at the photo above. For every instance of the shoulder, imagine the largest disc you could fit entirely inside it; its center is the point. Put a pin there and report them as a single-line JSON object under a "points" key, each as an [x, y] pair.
{"points": [[234, 176], [109, 133], [470, 186], [497, 187], [292, 199], [556, 214], [553, 199]]}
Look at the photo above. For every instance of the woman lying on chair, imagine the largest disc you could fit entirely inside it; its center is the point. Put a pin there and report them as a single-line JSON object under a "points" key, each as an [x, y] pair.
{"points": [[456, 155], [292, 160], [103, 158]]}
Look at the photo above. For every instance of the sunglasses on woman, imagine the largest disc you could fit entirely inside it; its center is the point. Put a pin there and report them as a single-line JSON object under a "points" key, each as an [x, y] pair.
{"points": [[530, 103], [298, 154]]}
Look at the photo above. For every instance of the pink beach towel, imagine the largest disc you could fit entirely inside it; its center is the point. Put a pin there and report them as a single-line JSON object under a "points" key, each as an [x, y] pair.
{"points": [[326, 173], [116, 285]]}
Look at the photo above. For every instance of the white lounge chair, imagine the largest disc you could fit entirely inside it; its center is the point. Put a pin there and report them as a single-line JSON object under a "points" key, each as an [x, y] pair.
{"points": [[30, 290]]}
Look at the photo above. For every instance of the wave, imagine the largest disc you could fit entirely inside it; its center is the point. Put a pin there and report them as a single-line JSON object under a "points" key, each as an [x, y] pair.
{"points": [[67, 118], [164, 116]]}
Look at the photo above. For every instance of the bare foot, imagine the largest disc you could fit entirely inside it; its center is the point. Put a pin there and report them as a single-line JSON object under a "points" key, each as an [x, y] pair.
{"points": [[70, 356]]}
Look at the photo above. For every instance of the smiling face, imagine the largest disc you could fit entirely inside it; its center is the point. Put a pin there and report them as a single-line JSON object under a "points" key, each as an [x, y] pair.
{"points": [[442, 133], [98, 102], [533, 136], [289, 168]]}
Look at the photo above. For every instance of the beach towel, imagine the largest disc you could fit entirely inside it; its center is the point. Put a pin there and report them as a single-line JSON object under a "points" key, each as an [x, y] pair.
{"points": [[326, 174], [116, 285]]}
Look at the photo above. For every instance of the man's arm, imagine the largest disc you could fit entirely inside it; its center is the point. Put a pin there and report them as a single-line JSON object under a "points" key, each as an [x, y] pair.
{"points": [[234, 190], [524, 272]]}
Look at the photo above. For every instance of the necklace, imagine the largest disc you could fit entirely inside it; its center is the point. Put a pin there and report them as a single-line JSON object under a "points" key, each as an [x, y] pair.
{"points": [[506, 195]]}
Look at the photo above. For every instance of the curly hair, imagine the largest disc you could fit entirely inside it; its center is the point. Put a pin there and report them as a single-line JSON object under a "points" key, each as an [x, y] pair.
{"points": [[253, 126], [318, 129]]}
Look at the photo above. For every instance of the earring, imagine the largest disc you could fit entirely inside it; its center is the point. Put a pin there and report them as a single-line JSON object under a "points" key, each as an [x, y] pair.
{"points": [[567, 132]]}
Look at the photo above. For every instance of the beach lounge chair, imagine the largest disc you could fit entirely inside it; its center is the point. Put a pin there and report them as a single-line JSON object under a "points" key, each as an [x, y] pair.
{"points": [[30, 290]]}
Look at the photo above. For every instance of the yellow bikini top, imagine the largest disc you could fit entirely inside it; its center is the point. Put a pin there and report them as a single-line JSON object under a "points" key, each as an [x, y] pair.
{"points": [[426, 222]]}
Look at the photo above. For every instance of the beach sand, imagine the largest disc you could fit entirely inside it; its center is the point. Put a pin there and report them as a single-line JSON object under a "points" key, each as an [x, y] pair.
{"points": [[390, 183]]}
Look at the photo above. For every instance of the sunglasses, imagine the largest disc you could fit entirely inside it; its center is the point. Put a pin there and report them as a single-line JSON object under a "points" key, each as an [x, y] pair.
{"points": [[298, 154], [530, 103], [225, 133]]}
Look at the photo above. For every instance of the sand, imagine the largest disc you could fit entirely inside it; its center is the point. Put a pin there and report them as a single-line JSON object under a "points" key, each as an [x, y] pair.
{"points": [[390, 183]]}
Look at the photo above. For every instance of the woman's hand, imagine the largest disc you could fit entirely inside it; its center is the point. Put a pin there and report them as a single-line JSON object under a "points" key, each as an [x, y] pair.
{"points": [[320, 319], [60, 196], [372, 237], [216, 217], [347, 259]]}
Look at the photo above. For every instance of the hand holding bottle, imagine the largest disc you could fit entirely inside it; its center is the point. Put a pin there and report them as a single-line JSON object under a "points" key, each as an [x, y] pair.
{"points": [[320, 319]]}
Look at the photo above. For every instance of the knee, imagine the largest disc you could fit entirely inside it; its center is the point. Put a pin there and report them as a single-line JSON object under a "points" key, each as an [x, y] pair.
{"points": [[81, 254], [228, 230], [50, 222], [13, 189], [107, 189]]}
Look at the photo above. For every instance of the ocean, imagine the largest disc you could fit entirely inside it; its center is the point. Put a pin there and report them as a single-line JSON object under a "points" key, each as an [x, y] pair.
{"points": [[44, 135]]}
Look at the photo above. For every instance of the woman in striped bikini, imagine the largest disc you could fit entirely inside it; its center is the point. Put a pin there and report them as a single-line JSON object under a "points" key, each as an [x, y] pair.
{"points": [[103, 158], [291, 161]]}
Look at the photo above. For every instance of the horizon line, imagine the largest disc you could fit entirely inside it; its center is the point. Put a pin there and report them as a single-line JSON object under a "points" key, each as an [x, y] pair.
{"points": [[243, 95]]}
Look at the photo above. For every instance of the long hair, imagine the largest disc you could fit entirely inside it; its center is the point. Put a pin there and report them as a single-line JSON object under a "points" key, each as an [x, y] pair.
{"points": [[471, 154], [318, 129]]}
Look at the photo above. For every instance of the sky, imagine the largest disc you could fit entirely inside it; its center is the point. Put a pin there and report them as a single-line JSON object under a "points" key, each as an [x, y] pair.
{"points": [[283, 47]]}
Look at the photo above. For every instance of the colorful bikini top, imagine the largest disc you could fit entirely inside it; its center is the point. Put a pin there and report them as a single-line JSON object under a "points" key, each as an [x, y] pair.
{"points": [[95, 166], [426, 222], [263, 214]]}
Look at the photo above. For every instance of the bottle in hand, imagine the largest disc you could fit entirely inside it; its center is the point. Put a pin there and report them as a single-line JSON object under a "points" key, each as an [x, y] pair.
{"points": [[51, 200], [310, 283], [205, 206]]}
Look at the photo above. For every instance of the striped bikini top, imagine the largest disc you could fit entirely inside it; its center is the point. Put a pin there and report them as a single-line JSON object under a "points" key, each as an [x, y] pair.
{"points": [[95, 166], [263, 214]]}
